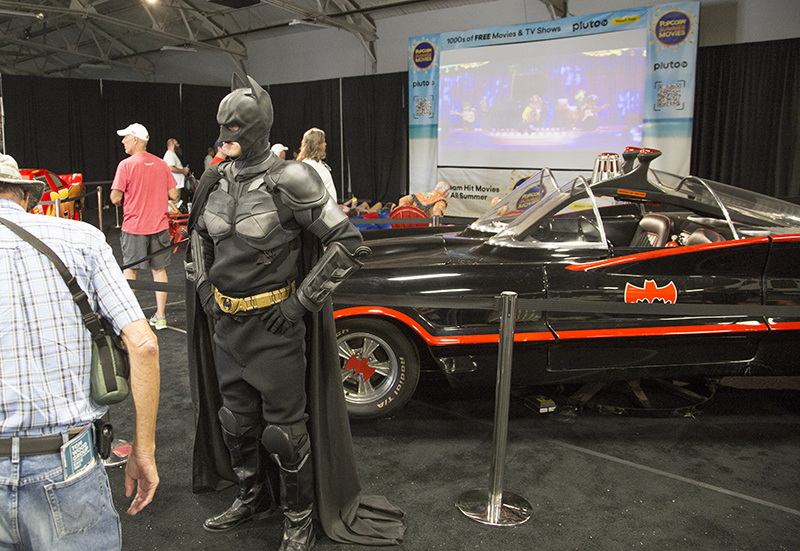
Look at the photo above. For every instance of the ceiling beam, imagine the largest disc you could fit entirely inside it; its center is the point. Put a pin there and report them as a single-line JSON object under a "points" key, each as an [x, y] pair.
{"points": [[557, 8], [233, 48], [139, 64], [328, 19]]}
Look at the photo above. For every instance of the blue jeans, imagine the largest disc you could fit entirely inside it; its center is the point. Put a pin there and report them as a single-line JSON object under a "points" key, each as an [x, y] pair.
{"points": [[39, 511]]}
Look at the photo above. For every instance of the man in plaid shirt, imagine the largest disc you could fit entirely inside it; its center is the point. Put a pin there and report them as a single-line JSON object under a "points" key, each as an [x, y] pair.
{"points": [[45, 401]]}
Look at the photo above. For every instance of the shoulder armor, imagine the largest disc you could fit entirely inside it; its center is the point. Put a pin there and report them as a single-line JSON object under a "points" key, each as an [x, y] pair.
{"points": [[301, 186]]}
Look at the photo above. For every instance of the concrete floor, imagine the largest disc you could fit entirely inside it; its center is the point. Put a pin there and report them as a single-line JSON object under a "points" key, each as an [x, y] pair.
{"points": [[725, 478]]}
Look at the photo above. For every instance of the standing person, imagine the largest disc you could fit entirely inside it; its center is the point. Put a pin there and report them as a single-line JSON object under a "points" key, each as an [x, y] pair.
{"points": [[313, 151], [219, 156], [173, 159], [266, 288], [147, 185], [44, 380], [280, 150], [209, 157]]}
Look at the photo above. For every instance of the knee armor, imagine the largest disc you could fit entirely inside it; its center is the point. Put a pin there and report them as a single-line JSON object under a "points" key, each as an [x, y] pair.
{"points": [[288, 445], [238, 424]]}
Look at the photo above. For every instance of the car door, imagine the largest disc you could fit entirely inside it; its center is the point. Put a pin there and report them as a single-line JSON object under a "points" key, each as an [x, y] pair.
{"points": [[662, 344], [780, 351]]}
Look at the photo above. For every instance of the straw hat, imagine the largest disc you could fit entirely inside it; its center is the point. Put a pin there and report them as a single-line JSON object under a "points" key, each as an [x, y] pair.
{"points": [[9, 174]]}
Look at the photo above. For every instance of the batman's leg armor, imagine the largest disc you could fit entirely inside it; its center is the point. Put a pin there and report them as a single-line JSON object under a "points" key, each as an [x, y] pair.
{"points": [[254, 500], [289, 447]]}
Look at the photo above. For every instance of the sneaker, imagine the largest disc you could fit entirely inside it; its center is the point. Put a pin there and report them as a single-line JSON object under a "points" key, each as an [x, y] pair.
{"points": [[158, 323]]}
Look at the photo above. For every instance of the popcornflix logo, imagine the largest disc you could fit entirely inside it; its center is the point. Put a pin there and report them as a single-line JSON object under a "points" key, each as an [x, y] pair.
{"points": [[423, 55], [673, 28]]}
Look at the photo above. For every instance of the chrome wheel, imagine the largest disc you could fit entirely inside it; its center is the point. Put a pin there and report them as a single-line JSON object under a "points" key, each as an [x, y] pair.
{"points": [[380, 367]]}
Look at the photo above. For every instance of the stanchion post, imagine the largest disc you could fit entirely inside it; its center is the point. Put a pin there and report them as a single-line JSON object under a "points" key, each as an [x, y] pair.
{"points": [[100, 207], [57, 206], [116, 212], [436, 221], [496, 507]]}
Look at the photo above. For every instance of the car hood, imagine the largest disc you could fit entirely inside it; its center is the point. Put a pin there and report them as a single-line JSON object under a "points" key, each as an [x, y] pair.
{"points": [[405, 252]]}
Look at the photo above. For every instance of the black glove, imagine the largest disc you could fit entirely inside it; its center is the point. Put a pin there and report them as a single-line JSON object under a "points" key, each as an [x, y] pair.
{"points": [[280, 317], [206, 295]]}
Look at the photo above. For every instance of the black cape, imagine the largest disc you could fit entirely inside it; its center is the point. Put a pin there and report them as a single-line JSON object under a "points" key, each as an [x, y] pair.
{"points": [[345, 514]]}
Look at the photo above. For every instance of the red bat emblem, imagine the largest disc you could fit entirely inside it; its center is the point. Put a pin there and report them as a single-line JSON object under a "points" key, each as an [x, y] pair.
{"points": [[651, 293]]}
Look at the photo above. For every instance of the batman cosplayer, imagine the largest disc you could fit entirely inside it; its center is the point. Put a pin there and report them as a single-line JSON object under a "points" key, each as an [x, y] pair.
{"points": [[264, 367]]}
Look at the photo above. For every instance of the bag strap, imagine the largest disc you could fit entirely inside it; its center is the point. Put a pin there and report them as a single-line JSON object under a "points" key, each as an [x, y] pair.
{"points": [[90, 318]]}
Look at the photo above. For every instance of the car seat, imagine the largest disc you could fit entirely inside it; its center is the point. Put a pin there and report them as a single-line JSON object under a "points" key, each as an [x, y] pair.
{"points": [[703, 235], [653, 231]]}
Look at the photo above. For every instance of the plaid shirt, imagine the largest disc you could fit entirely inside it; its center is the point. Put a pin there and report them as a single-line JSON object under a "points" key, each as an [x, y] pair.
{"points": [[45, 349]]}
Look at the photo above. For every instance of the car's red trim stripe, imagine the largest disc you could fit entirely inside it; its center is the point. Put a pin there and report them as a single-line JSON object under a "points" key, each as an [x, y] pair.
{"points": [[787, 237], [662, 331], [433, 340], [669, 251], [785, 326]]}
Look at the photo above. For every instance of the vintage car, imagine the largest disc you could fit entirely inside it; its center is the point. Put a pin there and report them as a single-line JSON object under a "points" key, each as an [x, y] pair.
{"points": [[638, 275], [62, 187]]}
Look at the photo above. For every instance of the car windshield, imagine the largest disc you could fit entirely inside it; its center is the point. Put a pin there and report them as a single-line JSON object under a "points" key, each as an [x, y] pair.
{"points": [[743, 205], [526, 193], [569, 215], [563, 216]]}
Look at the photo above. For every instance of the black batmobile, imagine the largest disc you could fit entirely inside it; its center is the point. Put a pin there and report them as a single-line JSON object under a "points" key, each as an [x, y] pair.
{"points": [[636, 275]]}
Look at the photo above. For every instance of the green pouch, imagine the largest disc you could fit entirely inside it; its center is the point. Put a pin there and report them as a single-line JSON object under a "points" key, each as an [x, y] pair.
{"points": [[110, 367]]}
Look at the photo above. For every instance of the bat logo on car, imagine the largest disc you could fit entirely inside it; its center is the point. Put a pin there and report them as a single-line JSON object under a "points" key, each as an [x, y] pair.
{"points": [[652, 293]]}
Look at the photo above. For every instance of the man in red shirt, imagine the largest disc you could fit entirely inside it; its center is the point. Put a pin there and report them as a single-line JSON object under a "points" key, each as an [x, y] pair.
{"points": [[146, 184]]}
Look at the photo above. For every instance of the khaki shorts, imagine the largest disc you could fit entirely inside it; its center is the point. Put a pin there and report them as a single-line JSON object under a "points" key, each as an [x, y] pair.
{"points": [[135, 247]]}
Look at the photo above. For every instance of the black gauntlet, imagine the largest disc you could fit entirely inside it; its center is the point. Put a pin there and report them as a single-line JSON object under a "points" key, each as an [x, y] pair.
{"points": [[336, 265]]}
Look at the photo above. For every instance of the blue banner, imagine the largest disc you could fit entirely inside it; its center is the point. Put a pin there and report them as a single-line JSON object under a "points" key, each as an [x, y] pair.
{"points": [[663, 105]]}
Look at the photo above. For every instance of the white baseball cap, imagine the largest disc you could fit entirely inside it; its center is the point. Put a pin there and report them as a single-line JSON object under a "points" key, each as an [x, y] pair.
{"points": [[278, 148], [136, 130]]}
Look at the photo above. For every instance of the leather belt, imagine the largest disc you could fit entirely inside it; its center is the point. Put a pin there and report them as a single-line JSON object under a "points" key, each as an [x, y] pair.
{"points": [[37, 445], [233, 305]]}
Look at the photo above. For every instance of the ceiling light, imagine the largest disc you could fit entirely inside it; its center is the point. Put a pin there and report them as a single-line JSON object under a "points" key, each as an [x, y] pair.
{"points": [[178, 48], [309, 22], [37, 15]]}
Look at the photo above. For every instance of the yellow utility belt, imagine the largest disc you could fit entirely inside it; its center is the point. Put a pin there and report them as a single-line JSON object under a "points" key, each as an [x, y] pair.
{"points": [[233, 305]]}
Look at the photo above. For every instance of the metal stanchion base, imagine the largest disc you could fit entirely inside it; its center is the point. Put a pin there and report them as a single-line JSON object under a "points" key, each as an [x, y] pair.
{"points": [[514, 510], [120, 449]]}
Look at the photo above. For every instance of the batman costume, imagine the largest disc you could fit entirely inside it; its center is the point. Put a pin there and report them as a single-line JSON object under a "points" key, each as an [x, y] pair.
{"points": [[269, 384]]}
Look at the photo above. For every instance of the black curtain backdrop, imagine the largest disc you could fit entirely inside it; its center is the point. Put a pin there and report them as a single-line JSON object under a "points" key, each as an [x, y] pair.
{"points": [[746, 122], [747, 116], [305, 105], [68, 125], [376, 136]]}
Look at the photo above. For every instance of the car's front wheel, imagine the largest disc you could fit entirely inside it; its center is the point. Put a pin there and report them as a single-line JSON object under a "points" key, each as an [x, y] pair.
{"points": [[380, 367]]}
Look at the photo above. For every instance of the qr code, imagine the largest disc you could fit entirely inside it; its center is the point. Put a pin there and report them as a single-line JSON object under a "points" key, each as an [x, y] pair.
{"points": [[669, 95], [424, 107]]}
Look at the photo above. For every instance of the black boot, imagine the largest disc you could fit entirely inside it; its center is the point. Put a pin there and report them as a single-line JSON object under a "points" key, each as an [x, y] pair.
{"points": [[297, 502], [254, 500]]}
